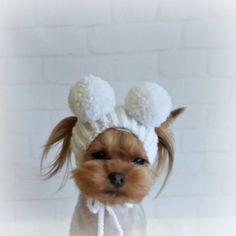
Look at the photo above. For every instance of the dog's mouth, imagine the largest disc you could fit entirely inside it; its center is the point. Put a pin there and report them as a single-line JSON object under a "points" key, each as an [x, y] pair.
{"points": [[114, 196], [114, 192], [117, 196]]}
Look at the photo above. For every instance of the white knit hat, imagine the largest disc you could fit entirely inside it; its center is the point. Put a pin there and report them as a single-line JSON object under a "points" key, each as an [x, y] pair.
{"points": [[92, 100]]}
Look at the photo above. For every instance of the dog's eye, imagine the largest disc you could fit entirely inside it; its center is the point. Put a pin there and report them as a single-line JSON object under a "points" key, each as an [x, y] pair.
{"points": [[100, 155], [139, 161]]}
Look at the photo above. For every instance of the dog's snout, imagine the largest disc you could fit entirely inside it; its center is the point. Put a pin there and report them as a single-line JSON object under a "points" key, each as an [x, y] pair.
{"points": [[117, 179]]}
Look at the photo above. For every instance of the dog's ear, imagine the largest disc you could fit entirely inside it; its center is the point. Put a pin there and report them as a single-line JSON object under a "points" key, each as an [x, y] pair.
{"points": [[166, 145], [61, 133], [172, 117]]}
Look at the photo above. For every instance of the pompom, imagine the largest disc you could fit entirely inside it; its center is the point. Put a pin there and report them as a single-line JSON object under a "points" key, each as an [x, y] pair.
{"points": [[91, 98], [148, 103]]}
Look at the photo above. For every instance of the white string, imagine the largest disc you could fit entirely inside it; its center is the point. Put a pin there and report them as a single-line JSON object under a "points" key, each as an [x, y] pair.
{"points": [[113, 215], [101, 214], [97, 207]]}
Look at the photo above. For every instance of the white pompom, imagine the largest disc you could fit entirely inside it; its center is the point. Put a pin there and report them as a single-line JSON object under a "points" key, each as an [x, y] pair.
{"points": [[91, 98], [148, 103]]}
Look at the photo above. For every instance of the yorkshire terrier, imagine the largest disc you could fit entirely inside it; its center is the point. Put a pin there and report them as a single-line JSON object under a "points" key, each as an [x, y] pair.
{"points": [[119, 152]]}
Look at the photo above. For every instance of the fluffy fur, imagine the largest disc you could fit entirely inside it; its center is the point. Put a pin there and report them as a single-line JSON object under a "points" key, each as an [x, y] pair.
{"points": [[91, 176], [121, 147]]}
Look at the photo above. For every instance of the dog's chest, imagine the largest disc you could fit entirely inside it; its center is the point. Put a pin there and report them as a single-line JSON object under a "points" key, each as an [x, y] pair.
{"points": [[132, 221]]}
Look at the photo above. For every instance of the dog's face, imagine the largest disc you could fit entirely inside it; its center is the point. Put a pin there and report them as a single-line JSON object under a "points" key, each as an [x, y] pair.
{"points": [[115, 169]]}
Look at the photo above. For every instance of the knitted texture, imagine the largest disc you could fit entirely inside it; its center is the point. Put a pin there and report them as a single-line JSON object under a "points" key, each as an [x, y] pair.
{"points": [[149, 103], [92, 100]]}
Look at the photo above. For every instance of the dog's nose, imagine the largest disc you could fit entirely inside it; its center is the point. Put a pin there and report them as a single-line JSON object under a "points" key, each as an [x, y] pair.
{"points": [[117, 179]]}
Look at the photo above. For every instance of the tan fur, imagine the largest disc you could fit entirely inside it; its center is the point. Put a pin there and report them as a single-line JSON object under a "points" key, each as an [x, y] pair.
{"points": [[121, 147], [91, 175], [61, 133], [166, 146]]}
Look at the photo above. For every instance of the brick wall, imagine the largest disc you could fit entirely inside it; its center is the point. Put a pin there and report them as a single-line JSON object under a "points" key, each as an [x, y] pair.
{"points": [[188, 46]]}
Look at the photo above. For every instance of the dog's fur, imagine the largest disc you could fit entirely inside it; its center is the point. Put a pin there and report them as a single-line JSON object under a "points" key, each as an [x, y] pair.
{"points": [[91, 175]]}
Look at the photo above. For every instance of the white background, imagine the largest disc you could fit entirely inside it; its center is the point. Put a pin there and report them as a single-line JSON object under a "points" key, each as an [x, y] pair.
{"points": [[188, 46]]}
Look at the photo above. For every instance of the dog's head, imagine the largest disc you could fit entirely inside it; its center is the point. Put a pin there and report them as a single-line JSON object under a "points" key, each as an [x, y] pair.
{"points": [[116, 150], [114, 169]]}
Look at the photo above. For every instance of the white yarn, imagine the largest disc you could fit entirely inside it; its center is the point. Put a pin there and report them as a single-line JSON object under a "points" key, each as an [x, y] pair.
{"points": [[91, 98], [113, 215], [99, 208], [101, 214], [149, 103], [84, 134]]}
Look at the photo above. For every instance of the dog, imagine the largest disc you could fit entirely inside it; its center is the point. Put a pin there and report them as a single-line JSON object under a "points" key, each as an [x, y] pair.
{"points": [[119, 153]]}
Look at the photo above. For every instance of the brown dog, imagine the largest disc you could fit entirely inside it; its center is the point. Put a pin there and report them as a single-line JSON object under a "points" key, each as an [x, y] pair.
{"points": [[114, 170], [119, 151]]}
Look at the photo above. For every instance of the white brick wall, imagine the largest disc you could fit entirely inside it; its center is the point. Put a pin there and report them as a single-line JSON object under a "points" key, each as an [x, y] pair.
{"points": [[188, 46], [222, 63], [183, 9], [17, 14], [72, 13], [123, 11], [67, 70], [124, 38], [49, 42], [183, 64], [26, 71], [210, 33]]}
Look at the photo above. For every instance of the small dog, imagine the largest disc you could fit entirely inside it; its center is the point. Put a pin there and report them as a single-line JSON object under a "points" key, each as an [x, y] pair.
{"points": [[119, 152]]}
